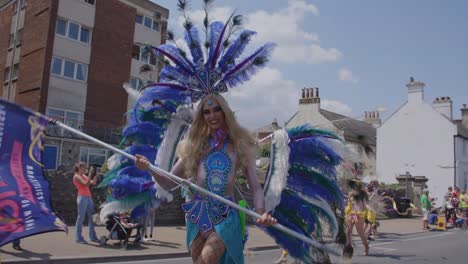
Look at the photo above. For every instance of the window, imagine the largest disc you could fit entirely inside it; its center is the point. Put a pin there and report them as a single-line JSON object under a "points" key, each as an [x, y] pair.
{"points": [[91, 2], [57, 66], [19, 37], [148, 22], [81, 72], [23, 4], [60, 27], [136, 83], [69, 69], [94, 155], [50, 157], [7, 74], [11, 40], [15, 7], [155, 26], [72, 30], [139, 19], [84, 36], [139, 53], [70, 118], [14, 73]]}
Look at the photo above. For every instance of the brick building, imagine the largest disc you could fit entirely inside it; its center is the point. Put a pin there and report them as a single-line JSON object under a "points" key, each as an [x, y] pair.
{"points": [[69, 59]]}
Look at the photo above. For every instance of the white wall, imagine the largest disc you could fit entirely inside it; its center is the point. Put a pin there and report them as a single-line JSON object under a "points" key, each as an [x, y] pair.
{"points": [[461, 150], [67, 94], [420, 140], [309, 113], [77, 11]]}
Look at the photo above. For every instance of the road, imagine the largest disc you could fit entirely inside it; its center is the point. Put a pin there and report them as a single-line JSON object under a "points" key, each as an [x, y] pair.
{"points": [[430, 247]]}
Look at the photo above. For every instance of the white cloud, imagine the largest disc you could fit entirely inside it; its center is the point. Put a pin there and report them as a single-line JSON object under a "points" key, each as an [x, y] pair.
{"points": [[345, 74], [283, 27], [336, 106], [266, 96]]}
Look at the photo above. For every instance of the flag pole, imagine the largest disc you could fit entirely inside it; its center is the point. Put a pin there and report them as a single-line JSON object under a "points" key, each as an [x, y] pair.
{"points": [[197, 188]]}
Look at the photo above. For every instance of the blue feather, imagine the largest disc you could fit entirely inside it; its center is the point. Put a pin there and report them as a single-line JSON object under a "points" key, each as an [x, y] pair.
{"points": [[314, 153], [144, 150], [216, 28], [173, 54], [306, 130], [249, 66], [143, 133], [295, 247], [126, 185], [170, 73], [193, 43], [235, 50]]}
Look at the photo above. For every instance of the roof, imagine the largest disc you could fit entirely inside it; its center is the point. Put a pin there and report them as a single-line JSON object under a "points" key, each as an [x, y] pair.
{"points": [[461, 129], [354, 130], [267, 129]]}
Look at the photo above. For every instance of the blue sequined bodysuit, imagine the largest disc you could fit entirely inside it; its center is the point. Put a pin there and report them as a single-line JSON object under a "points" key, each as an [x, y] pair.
{"points": [[205, 214]]}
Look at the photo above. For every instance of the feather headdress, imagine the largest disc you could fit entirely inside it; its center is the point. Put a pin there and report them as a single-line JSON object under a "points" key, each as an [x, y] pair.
{"points": [[162, 112]]}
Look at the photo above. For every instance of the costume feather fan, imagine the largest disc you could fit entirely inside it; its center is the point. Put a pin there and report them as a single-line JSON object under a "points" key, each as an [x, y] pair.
{"points": [[301, 190]]}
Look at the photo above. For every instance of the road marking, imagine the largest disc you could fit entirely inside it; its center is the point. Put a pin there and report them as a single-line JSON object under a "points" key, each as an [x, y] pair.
{"points": [[414, 238], [384, 249]]}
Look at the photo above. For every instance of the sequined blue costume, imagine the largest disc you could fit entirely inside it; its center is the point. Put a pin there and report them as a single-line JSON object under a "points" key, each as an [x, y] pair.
{"points": [[205, 213]]}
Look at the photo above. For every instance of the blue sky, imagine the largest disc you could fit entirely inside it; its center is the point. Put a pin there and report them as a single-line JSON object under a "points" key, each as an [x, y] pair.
{"points": [[359, 53]]}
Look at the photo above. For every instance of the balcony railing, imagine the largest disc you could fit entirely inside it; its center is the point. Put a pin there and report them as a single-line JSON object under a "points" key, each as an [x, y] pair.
{"points": [[102, 131]]}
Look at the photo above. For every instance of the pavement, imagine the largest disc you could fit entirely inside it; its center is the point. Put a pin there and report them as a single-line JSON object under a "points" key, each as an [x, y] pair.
{"points": [[58, 247]]}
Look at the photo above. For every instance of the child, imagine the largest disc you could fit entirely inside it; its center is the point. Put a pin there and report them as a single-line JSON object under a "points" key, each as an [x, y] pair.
{"points": [[124, 217]]}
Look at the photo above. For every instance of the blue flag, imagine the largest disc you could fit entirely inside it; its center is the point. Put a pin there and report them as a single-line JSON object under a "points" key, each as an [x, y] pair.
{"points": [[25, 207]]}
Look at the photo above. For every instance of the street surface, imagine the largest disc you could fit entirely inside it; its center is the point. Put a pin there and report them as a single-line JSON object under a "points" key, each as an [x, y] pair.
{"points": [[430, 247]]}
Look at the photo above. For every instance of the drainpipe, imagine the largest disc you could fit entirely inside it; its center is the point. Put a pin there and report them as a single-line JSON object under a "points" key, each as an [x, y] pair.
{"points": [[15, 37], [455, 161]]}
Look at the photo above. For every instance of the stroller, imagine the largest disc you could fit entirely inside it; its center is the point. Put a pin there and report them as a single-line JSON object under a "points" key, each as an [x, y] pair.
{"points": [[118, 231]]}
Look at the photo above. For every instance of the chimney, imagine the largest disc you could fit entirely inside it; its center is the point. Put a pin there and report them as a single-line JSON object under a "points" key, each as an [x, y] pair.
{"points": [[372, 117], [309, 96], [443, 105], [311, 99], [464, 114], [415, 91]]}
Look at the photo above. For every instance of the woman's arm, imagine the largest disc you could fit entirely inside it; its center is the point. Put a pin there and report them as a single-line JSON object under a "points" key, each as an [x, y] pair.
{"points": [[254, 185], [143, 164], [92, 179], [257, 191]]}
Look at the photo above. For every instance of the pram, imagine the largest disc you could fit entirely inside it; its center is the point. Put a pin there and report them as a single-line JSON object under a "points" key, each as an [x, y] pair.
{"points": [[117, 231]]}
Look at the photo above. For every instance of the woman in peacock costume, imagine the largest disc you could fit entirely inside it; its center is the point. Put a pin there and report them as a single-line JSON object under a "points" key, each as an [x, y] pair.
{"points": [[208, 147]]}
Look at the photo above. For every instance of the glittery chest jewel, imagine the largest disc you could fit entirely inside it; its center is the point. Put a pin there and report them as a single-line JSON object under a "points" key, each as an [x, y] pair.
{"points": [[206, 211]]}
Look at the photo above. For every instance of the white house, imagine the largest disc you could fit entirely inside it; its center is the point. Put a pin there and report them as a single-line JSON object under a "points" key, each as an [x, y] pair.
{"points": [[424, 140], [359, 135]]}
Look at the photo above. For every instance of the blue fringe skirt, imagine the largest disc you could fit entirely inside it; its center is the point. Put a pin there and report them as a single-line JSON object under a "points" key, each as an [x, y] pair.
{"points": [[229, 230]]}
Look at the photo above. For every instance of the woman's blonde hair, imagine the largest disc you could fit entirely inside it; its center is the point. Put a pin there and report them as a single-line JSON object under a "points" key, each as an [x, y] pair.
{"points": [[192, 149]]}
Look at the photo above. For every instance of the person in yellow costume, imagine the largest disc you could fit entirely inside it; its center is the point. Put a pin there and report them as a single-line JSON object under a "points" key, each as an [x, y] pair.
{"points": [[355, 215]]}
